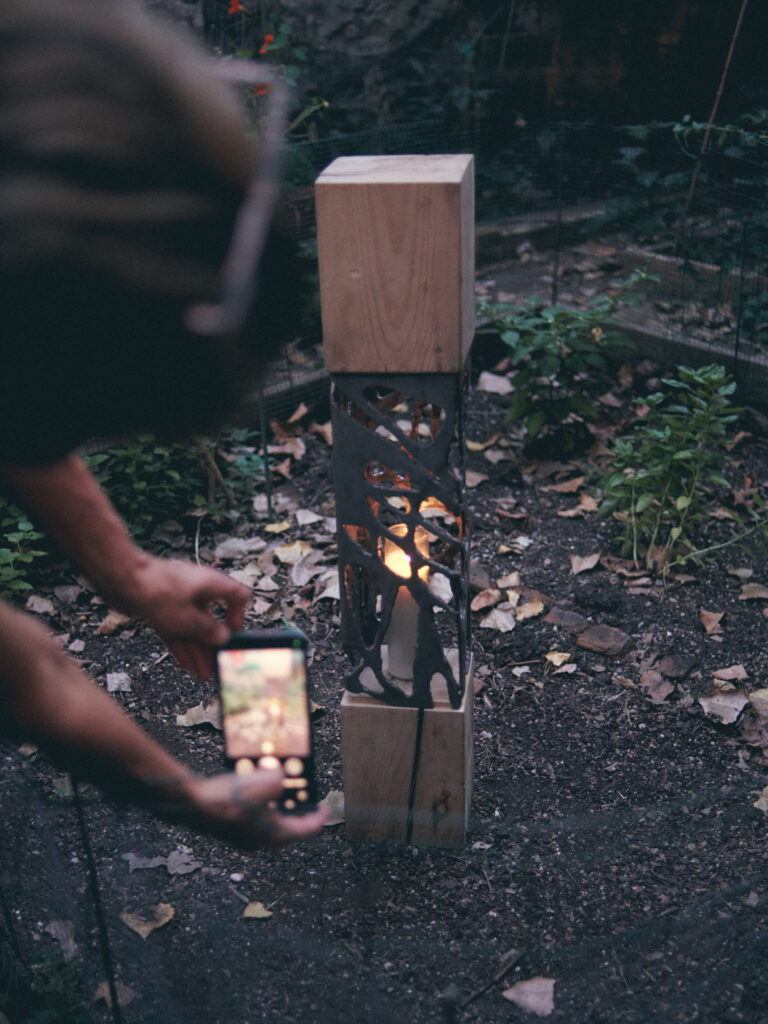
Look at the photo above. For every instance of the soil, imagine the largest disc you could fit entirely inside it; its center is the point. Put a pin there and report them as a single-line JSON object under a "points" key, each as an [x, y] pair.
{"points": [[613, 845]]}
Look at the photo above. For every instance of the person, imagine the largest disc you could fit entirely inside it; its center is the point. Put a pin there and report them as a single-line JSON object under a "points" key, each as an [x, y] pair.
{"points": [[125, 168]]}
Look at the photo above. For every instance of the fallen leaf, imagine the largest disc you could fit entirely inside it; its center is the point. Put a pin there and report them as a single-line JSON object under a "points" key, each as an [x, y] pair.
{"points": [[529, 610], [584, 564], [201, 714], [566, 486], [161, 915], [753, 591], [68, 593], [536, 995], [440, 586], [762, 802], [480, 446], [759, 701], [495, 455], [305, 517], [124, 994], [734, 673], [568, 668], [325, 430], [239, 547], [39, 605], [726, 707], [248, 574], [113, 622], [181, 862], [331, 592], [64, 933], [494, 383], [77, 646], [277, 527], [485, 599], [500, 619], [473, 479], [334, 800], [711, 621], [118, 682], [557, 658], [139, 863], [290, 553], [655, 686], [257, 911], [512, 579], [742, 574], [267, 585]]}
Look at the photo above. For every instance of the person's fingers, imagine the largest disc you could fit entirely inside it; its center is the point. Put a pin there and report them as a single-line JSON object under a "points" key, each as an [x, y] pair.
{"points": [[194, 657], [297, 826]]}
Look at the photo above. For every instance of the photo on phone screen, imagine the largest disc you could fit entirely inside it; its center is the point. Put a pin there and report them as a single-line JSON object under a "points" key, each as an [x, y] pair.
{"points": [[264, 702], [265, 711]]}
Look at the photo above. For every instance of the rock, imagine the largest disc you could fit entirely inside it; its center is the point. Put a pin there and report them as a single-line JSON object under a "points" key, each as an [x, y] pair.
{"points": [[478, 578], [567, 619], [605, 640]]}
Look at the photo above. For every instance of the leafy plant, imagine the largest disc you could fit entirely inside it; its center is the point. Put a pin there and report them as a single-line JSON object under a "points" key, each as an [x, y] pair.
{"points": [[664, 472], [18, 549], [561, 358], [149, 481]]}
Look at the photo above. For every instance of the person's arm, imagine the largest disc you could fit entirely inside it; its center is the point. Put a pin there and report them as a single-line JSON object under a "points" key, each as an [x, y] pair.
{"points": [[176, 598], [46, 697]]}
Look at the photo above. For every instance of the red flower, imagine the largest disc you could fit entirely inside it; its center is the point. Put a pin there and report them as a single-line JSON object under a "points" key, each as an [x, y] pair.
{"points": [[235, 7], [268, 40], [261, 90]]}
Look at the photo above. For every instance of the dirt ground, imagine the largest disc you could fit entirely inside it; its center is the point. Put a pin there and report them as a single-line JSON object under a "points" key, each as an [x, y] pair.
{"points": [[614, 846]]}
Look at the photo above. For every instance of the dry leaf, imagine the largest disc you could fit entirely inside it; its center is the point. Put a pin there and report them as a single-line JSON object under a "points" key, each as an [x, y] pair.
{"points": [[557, 658], [305, 517], [568, 668], [485, 599], [334, 800], [181, 862], [473, 479], [332, 591], [501, 619], [288, 554], [39, 605], [494, 383], [495, 455], [124, 994], [113, 621], [118, 682], [325, 430], [64, 933], [161, 915], [201, 715], [753, 591], [535, 996], [759, 701], [711, 621], [726, 707], [734, 673], [742, 574], [762, 802], [257, 911], [137, 863], [440, 586], [239, 547], [512, 579], [566, 486], [584, 564], [529, 610], [277, 527]]}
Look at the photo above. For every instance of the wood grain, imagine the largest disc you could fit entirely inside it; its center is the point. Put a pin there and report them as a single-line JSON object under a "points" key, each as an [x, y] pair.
{"points": [[396, 253]]}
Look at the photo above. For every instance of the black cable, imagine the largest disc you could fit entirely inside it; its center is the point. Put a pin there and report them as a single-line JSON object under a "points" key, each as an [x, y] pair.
{"points": [[93, 885]]}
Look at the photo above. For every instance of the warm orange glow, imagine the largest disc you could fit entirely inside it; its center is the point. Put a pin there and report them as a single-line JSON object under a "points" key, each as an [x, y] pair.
{"points": [[397, 561]]}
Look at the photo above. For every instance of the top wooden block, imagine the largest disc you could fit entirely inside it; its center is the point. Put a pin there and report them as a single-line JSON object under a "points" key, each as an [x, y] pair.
{"points": [[396, 248]]}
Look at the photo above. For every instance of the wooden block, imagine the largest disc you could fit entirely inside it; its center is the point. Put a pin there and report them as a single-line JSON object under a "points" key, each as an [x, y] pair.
{"points": [[395, 239], [382, 799]]}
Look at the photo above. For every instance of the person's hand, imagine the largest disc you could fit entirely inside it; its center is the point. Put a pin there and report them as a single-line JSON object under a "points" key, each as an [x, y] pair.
{"points": [[180, 601], [235, 808]]}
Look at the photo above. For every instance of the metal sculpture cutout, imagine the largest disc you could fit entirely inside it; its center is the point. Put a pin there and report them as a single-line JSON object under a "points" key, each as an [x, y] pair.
{"points": [[403, 535]]}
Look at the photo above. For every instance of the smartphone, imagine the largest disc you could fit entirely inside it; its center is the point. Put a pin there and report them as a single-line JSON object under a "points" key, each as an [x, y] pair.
{"points": [[262, 678]]}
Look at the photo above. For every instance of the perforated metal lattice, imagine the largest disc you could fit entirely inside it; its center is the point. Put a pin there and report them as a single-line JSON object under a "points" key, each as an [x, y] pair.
{"points": [[403, 535]]}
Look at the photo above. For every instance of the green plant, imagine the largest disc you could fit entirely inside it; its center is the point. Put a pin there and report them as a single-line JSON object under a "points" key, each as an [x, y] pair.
{"points": [[55, 997], [18, 549], [561, 358], [149, 481], [664, 472]]}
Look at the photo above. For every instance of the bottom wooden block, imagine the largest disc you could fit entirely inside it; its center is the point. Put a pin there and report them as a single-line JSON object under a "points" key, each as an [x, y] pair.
{"points": [[407, 772]]}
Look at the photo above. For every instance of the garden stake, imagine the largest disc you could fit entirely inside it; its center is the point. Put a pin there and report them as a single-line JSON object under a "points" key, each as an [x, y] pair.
{"points": [[396, 251]]}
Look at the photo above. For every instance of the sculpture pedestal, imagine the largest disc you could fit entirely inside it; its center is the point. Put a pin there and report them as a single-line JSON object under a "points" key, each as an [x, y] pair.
{"points": [[407, 771]]}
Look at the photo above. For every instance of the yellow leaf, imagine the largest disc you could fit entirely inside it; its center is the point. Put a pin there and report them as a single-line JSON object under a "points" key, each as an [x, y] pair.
{"points": [[288, 554], [161, 915], [529, 610], [557, 658], [256, 910], [277, 527]]}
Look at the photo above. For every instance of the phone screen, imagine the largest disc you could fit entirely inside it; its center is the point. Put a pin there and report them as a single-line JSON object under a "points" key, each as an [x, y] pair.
{"points": [[264, 702]]}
